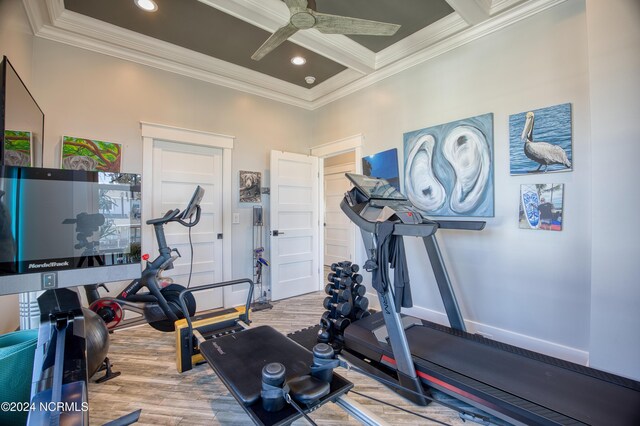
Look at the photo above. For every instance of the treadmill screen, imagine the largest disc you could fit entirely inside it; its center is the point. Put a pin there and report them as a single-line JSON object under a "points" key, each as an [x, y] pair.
{"points": [[374, 188]]}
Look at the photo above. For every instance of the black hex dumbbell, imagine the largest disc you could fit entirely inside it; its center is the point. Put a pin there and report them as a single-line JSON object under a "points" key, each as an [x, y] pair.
{"points": [[359, 314], [361, 303], [343, 308], [339, 324], [340, 280], [356, 278], [358, 290], [343, 295], [336, 267]]}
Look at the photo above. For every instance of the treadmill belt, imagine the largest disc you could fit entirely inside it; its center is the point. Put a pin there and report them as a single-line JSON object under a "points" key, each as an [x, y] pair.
{"points": [[577, 392], [579, 396]]}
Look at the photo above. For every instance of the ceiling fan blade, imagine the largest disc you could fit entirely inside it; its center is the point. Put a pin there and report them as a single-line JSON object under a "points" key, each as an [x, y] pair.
{"points": [[334, 24], [276, 39], [296, 4]]}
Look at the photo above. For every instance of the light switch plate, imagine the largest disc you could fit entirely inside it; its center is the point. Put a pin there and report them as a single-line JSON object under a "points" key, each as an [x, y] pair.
{"points": [[236, 218]]}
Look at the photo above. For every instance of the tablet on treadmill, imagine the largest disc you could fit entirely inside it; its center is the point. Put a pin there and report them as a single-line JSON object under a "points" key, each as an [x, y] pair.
{"points": [[193, 204], [375, 188]]}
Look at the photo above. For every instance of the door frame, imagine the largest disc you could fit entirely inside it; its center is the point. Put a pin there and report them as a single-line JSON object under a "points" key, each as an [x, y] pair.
{"points": [[340, 146], [152, 132]]}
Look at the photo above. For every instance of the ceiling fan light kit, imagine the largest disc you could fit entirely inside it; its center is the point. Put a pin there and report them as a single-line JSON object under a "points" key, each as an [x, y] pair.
{"points": [[303, 16]]}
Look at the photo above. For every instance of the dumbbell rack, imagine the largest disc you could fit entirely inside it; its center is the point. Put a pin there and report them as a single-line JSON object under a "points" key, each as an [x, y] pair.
{"points": [[346, 302]]}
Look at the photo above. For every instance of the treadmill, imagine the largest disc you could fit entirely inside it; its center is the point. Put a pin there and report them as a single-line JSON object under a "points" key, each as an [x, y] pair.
{"points": [[511, 383]]}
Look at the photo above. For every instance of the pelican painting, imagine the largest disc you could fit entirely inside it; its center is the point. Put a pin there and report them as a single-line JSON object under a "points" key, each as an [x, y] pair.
{"points": [[448, 168], [540, 140]]}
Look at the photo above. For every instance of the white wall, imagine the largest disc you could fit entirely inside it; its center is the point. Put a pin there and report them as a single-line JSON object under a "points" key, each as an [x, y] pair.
{"points": [[527, 287], [16, 42], [614, 68], [91, 95]]}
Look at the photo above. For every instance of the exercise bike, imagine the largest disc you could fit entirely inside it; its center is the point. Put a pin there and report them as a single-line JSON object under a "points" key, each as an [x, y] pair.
{"points": [[160, 305]]}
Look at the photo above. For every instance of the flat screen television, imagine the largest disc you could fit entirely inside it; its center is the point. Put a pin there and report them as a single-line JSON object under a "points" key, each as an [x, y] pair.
{"points": [[21, 121], [65, 228]]}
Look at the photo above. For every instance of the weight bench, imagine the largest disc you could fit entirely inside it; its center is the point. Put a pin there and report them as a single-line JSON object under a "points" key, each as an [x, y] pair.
{"points": [[238, 360]]}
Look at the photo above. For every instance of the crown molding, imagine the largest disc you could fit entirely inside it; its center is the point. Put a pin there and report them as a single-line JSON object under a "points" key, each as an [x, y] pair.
{"points": [[423, 39], [50, 20], [503, 20]]}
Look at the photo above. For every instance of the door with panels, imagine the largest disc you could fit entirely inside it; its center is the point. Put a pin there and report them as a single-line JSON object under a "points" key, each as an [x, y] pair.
{"points": [[177, 169], [294, 225], [339, 241]]}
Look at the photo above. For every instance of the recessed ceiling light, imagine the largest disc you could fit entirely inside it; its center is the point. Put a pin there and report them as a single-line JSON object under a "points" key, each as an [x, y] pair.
{"points": [[298, 60], [148, 5]]}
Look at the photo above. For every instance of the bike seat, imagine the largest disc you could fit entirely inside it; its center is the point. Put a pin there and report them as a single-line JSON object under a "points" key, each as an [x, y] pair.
{"points": [[168, 216]]}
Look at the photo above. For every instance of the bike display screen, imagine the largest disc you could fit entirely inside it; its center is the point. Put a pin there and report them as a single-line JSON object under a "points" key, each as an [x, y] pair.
{"points": [[53, 219]]}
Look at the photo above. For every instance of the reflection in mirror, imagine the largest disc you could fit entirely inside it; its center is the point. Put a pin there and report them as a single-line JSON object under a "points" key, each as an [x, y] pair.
{"points": [[21, 121]]}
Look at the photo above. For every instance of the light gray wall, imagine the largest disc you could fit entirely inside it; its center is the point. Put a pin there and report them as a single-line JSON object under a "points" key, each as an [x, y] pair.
{"points": [[528, 287], [16, 42], [614, 68], [92, 95]]}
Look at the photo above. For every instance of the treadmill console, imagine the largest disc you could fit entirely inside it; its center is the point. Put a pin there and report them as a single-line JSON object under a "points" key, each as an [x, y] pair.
{"points": [[377, 201]]}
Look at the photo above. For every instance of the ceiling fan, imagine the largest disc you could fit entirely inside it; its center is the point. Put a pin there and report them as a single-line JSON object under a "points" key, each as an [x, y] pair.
{"points": [[304, 16]]}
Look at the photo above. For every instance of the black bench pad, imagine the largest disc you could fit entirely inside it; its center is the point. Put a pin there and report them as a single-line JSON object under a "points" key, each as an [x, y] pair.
{"points": [[238, 360]]}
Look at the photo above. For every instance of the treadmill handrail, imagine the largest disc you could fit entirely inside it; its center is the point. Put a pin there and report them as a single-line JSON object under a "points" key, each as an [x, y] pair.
{"points": [[425, 229]]}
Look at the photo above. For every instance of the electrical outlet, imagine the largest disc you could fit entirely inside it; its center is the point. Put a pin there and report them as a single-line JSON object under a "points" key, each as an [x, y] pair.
{"points": [[236, 218]]}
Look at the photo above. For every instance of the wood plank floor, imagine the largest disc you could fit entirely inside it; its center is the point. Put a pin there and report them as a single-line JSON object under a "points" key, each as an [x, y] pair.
{"points": [[149, 381]]}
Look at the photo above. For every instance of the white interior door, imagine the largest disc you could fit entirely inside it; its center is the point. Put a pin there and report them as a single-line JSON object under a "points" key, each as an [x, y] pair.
{"points": [[177, 169], [294, 225], [339, 241]]}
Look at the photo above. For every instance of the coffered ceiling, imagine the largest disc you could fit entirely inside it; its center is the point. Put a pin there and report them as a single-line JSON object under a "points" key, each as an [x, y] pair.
{"points": [[213, 40]]}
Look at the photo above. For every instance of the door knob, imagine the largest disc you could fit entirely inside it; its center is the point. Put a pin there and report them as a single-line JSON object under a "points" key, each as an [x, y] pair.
{"points": [[276, 233]]}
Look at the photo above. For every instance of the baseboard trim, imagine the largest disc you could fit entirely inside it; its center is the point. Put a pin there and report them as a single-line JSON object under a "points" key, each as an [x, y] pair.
{"points": [[505, 336]]}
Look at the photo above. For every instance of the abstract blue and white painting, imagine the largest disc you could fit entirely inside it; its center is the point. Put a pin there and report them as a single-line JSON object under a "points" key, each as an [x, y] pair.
{"points": [[540, 140], [448, 168], [383, 165]]}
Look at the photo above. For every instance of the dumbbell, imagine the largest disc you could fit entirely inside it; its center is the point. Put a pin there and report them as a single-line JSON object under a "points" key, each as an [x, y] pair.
{"points": [[361, 303], [343, 308], [356, 278], [335, 267], [359, 314], [339, 324], [358, 290], [343, 295], [336, 279]]}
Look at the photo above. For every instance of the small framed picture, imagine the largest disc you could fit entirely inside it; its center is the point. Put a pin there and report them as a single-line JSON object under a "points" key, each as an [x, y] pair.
{"points": [[90, 154], [542, 206], [18, 148], [250, 187]]}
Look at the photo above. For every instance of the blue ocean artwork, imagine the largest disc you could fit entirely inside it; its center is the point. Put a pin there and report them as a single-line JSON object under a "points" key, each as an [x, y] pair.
{"points": [[383, 165], [448, 168], [540, 140]]}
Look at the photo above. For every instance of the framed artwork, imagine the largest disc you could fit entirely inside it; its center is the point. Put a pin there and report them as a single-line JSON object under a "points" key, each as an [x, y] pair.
{"points": [[18, 148], [383, 165], [540, 140], [448, 168], [90, 154], [250, 187], [542, 206]]}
